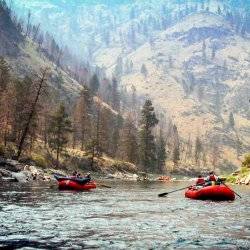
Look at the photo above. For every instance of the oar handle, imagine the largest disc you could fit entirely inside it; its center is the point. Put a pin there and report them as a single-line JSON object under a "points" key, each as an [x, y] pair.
{"points": [[232, 190], [166, 193], [178, 190]]}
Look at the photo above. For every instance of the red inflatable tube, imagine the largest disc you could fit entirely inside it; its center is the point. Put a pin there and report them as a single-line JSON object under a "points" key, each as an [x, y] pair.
{"points": [[72, 185], [217, 193]]}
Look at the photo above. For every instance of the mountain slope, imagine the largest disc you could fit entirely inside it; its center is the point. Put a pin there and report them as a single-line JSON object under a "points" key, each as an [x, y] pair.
{"points": [[198, 89], [9, 36], [196, 56]]}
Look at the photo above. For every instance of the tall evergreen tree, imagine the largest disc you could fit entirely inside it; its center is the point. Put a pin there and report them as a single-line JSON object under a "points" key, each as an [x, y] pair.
{"points": [[204, 55], [81, 118], [128, 147], [231, 120], [59, 129], [144, 70], [161, 152], [115, 95], [198, 149], [94, 84], [176, 155], [147, 140], [4, 74]]}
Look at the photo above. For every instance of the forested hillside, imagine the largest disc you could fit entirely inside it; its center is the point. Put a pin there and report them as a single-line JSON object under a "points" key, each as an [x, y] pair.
{"points": [[190, 58], [57, 110]]}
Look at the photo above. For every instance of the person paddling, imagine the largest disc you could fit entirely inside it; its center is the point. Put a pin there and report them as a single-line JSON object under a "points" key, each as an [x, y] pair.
{"points": [[74, 174], [212, 179], [200, 181]]}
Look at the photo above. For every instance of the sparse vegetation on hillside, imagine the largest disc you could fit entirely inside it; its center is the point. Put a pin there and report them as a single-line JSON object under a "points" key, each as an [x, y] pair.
{"points": [[190, 59], [241, 176], [33, 118]]}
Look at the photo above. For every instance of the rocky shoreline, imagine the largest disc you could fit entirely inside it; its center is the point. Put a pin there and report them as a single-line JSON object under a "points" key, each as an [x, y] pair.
{"points": [[14, 171], [237, 178]]}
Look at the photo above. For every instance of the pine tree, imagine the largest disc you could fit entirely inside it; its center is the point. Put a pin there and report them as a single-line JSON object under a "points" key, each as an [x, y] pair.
{"points": [[176, 155], [198, 149], [147, 140], [116, 126], [115, 95], [161, 152], [4, 74], [119, 67], [81, 118], [215, 154], [94, 84], [6, 113], [144, 70], [231, 120], [128, 146], [59, 129], [219, 10]]}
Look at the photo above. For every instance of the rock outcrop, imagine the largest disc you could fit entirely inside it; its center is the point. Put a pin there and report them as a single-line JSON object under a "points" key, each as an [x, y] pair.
{"points": [[14, 171]]}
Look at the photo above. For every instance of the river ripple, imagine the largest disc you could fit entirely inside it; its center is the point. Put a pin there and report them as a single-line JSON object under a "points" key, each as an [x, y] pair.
{"points": [[129, 215]]}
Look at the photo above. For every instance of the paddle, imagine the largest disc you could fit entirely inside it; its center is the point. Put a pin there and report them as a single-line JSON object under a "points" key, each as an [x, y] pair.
{"points": [[166, 193], [103, 185], [231, 189]]}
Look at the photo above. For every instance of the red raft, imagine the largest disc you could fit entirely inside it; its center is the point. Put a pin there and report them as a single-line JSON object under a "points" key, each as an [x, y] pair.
{"points": [[73, 185], [216, 193]]}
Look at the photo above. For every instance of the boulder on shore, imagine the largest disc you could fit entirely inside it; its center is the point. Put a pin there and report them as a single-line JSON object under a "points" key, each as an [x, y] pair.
{"points": [[11, 165], [12, 170]]}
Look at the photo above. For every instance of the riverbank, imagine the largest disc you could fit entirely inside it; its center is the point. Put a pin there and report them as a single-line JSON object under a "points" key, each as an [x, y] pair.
{"points": [[104, 168], [15, 171], [242, 175]]}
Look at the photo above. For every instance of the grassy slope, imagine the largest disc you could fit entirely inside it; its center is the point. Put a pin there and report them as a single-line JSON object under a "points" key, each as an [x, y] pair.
{"points": [[242, 174], [31, 61]]}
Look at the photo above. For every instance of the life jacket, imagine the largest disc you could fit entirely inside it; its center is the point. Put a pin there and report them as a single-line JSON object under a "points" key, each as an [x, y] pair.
{"points": [[212, 178], [200, 181]]}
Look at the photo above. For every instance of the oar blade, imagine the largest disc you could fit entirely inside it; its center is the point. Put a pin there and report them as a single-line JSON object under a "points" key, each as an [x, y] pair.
{"points": [[162, 195]]}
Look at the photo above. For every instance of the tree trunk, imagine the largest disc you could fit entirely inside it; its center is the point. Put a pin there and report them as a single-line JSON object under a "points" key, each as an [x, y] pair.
{"points": [[33, 108]]}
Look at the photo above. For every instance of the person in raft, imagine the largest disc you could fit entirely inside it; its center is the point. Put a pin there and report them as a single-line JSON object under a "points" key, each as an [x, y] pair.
{"points": [[74, 174], [78, 175], [200, 181], [212, 179]]}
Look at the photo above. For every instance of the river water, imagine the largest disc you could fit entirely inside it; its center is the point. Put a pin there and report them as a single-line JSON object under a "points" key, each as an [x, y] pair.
{"points": [[128, 216]]}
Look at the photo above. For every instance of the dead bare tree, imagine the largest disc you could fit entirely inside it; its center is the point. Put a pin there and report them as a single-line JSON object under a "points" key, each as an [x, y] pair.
{"points": [[39, 87]]}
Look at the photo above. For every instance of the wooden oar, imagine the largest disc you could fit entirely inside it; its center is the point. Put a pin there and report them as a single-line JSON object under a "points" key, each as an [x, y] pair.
{"points": [[231, 190], [103, 185], [166, 193]]}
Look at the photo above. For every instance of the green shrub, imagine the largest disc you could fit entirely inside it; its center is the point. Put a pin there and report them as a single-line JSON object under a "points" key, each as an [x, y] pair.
{"points": [[246, 162], [39, 160], [231, 179], [244, 171]]}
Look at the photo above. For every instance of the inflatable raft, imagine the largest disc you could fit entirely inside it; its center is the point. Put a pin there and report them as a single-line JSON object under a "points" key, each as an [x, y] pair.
{"points": [[217, 193], [73, 183]]}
